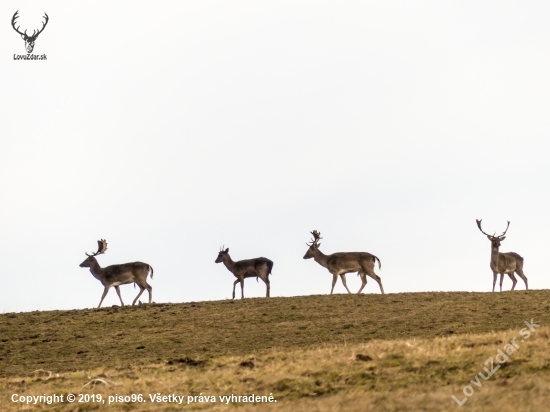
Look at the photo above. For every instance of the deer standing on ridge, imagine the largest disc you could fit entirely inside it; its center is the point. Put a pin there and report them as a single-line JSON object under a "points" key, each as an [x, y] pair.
{"points": [[502, 263], [344, 262], [116, 275], [259, 268]]}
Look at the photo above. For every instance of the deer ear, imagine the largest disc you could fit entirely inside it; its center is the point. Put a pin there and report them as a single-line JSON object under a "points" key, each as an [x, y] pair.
{"points": [[489, 237], [227, 250], [502, 238]]}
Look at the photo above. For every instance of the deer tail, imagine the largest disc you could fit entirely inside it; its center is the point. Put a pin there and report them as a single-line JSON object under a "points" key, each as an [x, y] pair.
{"points": [[151, 267], [379, 264]]}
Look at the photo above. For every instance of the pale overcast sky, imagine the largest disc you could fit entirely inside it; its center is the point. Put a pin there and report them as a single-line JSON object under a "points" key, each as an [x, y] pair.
{"points": [[170, 128]]}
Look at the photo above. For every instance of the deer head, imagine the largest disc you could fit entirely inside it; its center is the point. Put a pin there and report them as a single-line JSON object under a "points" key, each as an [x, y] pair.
{"points": [[495, 240], [29, 40], [314, 245], [101, 248], [222, 254]]}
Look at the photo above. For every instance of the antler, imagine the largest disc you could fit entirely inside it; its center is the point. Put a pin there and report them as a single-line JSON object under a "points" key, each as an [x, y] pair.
{"points": [[101, 248], [34, 33], [503, 233], [15, 16], [500, 236], [43, 26], [479, 226], [316, 238]]}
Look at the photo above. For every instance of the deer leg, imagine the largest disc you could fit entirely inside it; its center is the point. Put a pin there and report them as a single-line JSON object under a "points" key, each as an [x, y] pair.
{"points": [[267, 286], [494, 280], [117, 288], [234, 284], [378, 279], [242, 288], [363, 281], [264, 275], [334, 279], [501, 279], [343, 277], [141, 289], [520, 273], [103, 296], [514, 281]]}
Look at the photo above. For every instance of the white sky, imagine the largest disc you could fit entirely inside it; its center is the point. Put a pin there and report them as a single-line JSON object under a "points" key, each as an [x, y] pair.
{"points": [[171, 128]]}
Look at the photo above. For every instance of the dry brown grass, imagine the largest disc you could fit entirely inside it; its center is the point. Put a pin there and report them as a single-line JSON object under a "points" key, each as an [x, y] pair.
{"points": [[411, 374], [422, 348]]}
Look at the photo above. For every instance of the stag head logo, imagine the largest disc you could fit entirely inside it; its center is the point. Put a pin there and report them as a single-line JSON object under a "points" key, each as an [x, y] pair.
{"points": [[29, 40]]}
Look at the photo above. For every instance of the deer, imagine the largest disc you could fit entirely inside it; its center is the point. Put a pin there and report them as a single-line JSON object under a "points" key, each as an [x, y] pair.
{"points": [[502, 263], [260, 268], [344, 262], [116, 275], [29, 40]]}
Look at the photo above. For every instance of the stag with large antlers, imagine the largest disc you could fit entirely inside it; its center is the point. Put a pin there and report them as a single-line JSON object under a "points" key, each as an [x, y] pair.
{"points": [[29, 40], [259, 268], [344, 262], [502, 263], [116, 275]]}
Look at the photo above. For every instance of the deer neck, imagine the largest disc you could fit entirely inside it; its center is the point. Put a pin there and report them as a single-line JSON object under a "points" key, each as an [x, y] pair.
{"points": [[96, 270], [229, 264], [320, 258], [494, 256]]}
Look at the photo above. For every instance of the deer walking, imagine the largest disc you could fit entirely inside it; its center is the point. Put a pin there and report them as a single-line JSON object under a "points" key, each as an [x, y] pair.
{"points": [[344, 262], [116, 275], [502, 263], [260, 268]]}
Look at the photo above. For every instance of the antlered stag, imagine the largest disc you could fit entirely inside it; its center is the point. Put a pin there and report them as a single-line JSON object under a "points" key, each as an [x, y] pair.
{"points": [[502, 263], [116, 275], [29, 40], [259, 268], [344, 262]]}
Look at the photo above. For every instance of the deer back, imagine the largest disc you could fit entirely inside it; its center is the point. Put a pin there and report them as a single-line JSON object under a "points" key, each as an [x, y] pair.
{"points": [[351, 260], [252, 267], [514, 255], [131, 270]]}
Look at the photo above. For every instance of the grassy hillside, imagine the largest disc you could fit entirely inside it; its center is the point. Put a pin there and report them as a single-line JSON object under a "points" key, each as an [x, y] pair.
{"points": [[304, 350]]}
